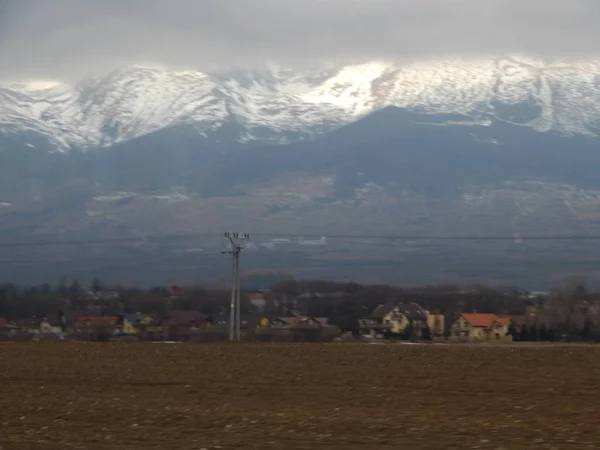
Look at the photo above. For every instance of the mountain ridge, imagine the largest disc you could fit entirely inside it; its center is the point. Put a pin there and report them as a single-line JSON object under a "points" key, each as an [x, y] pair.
{"points": [[280, 105]]}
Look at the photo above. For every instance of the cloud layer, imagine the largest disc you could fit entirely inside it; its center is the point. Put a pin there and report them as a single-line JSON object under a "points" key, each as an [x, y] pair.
{"points": [[43, 38]]}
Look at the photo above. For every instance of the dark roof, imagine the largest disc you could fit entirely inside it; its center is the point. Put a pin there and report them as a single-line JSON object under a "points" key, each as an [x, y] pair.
{"points": [[297, 321], [412, 311], [382, 310]]}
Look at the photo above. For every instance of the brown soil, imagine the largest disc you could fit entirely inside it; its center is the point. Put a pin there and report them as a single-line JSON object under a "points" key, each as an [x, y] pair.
{"points": [[307, 396]]}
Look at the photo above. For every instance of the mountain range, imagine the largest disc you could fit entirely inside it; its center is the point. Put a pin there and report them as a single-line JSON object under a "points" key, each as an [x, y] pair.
{"points": [[275, 103], [507, 146]]}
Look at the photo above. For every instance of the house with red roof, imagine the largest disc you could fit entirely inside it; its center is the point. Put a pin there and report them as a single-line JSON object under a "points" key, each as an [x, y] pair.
{"points": [[481, 327], [94, 328]]}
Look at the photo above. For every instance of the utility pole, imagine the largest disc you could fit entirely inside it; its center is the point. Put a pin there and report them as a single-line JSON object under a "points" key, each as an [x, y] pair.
{"points": [[236, 241]]}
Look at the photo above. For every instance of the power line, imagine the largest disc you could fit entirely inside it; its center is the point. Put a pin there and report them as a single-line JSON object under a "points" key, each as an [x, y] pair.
{"points": [[433, 237], [137, 259], [158, 239], [132, 240]]}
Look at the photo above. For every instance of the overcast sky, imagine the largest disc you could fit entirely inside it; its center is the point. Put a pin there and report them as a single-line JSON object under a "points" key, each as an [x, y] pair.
{"points": [[65, 38]]}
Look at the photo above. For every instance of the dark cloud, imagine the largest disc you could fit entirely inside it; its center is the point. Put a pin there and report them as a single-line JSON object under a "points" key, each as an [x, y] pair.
{"points": [[66, 37]]}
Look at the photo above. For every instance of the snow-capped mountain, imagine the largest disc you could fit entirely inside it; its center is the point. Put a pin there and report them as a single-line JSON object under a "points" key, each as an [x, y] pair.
{"points": [[274, 102]]}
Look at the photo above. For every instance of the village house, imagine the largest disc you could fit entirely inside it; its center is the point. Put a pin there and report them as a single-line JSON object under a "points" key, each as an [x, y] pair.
{"points": [[53, 326], [407, 320], [300, 328], [35, 328], [136, 323], [30, 325], [436, 324], [7, 330], [96, 328], [294, 321], [481, 327]]}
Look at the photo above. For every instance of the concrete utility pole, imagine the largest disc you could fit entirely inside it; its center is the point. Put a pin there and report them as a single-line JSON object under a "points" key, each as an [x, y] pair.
{"points": [[236, 240]]}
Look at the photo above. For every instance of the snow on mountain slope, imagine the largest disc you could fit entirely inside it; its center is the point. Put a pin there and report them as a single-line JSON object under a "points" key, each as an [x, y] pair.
{"points": [[101, 111], [39, 107], [133, 102], [272, 97]]}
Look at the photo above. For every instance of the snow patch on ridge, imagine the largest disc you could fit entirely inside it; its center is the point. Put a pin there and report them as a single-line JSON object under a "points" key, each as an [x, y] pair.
{"points": [[351, 89]]}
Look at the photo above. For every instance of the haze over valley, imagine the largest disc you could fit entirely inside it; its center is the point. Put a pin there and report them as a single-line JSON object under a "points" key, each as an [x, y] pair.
{"points": [[319, 159]]}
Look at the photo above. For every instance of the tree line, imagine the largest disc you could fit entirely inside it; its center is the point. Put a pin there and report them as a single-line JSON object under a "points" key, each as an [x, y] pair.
{"points": [[570, 308]]}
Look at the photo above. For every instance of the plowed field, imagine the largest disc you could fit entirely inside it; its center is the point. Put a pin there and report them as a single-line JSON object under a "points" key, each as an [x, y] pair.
{"points": [[309, 396]]}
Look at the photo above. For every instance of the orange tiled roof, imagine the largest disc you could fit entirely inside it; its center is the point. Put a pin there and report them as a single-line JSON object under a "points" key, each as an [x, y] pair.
{"points": [[503, 320], [480, 320]]}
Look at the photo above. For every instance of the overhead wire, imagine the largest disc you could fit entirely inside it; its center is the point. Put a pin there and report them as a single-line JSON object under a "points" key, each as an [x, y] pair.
{"points": [[433, 237], [103, 260], [159, 239], [131, 240]]}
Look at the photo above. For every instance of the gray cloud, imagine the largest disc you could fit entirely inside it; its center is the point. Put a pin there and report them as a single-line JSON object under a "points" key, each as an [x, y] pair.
{"points": [[43, 38]]}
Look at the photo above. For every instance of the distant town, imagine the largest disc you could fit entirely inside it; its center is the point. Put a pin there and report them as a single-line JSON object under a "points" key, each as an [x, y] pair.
{"points": [[310, 311]]}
